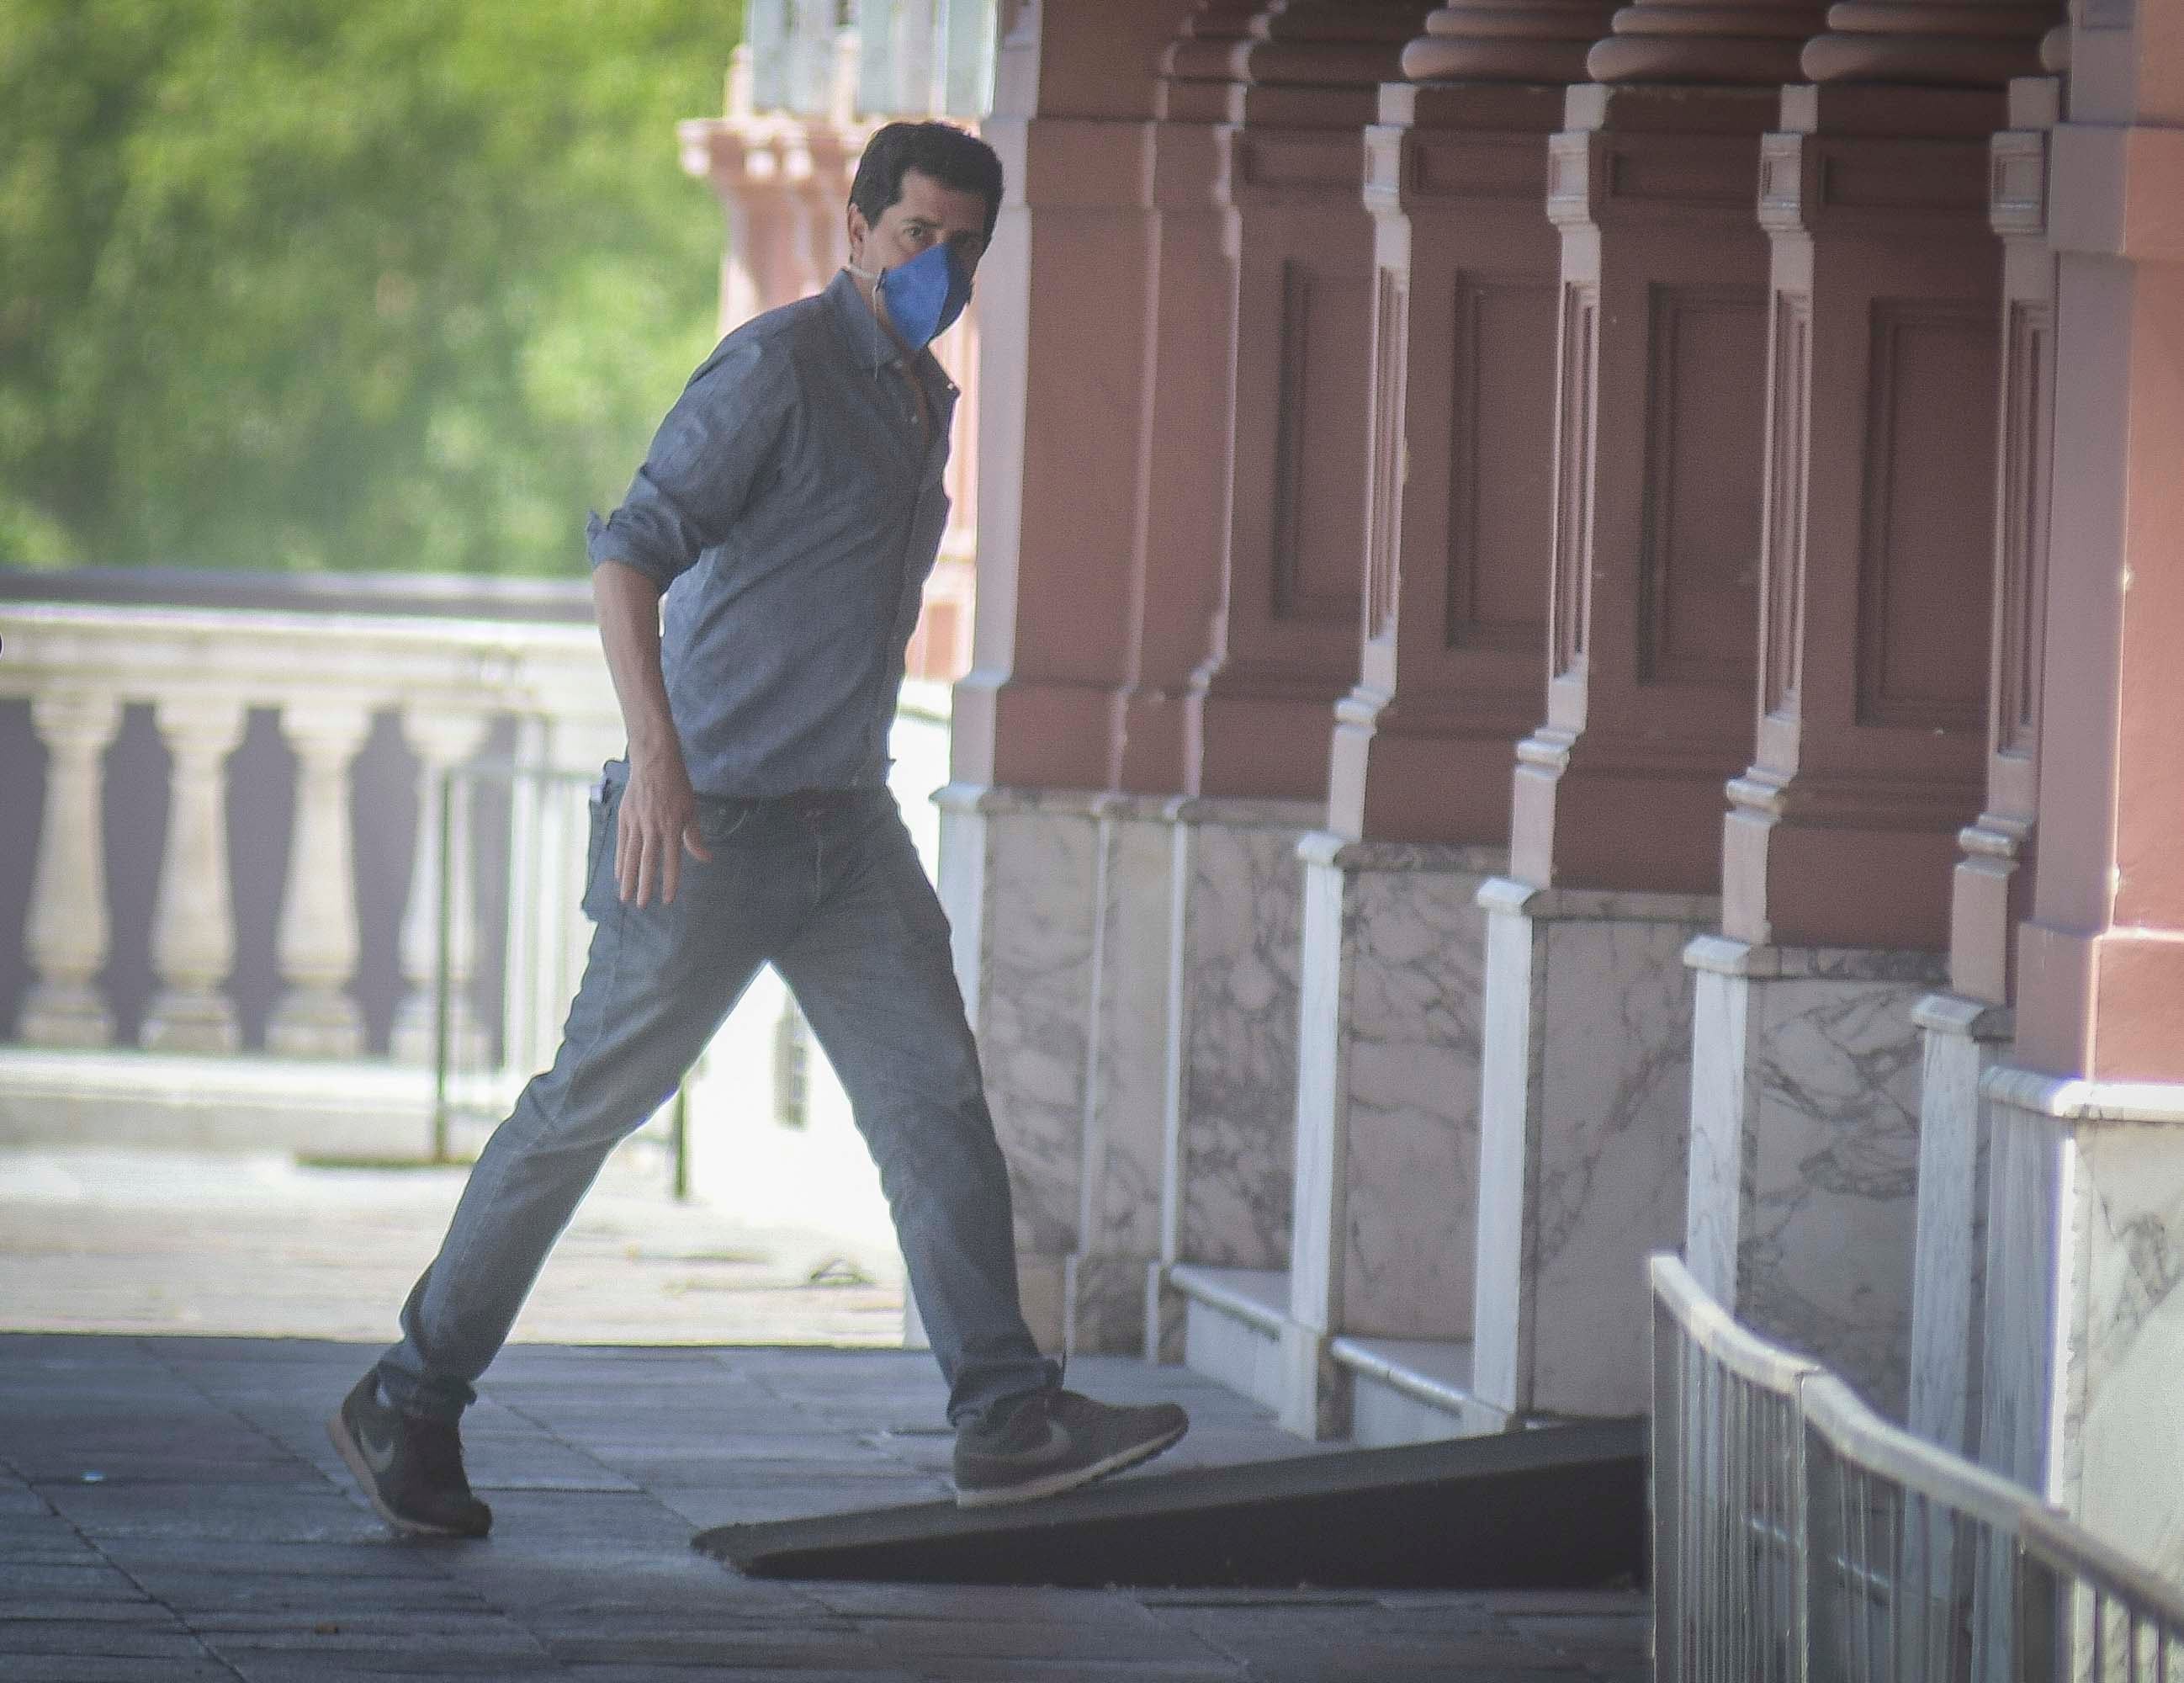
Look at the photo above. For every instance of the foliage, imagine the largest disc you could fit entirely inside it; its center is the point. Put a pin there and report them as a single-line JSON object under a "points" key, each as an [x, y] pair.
{"points": [[355, 284]]}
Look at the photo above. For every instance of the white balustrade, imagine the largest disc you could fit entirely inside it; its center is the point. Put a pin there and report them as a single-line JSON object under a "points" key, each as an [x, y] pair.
{"points": [[317, 1017], [327, 676], [194, 928], [442, 740], [68, 930]]}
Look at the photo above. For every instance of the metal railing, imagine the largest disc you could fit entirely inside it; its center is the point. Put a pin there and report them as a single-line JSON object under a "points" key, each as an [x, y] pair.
{"points": [[549, 816], [1800, 1538]]}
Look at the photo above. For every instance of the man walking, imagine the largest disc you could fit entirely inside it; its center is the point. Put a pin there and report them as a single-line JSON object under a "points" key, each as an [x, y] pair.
{"points": [[789, 512]]}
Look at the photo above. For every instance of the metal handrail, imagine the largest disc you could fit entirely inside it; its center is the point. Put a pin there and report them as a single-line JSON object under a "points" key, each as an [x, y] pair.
{"points": [[1910, 1563]]}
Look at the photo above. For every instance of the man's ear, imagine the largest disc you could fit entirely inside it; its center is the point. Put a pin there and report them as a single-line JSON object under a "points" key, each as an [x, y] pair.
{"points": [[859, 231]]}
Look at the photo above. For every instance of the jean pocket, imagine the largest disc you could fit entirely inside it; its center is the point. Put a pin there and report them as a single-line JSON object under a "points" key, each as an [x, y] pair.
{"points": [[600, 891]]}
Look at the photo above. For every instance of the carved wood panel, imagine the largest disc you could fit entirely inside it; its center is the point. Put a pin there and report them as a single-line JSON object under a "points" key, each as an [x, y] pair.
{"points": [[1320, 444], [1705, 466], [1384, 517], [1574, 433], [1501, 444], [1924, 557], [1789, 420], [2028, 419]]}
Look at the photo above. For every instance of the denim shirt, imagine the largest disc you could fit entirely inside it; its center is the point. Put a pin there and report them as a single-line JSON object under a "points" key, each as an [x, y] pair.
{"points": [[790, 513]]}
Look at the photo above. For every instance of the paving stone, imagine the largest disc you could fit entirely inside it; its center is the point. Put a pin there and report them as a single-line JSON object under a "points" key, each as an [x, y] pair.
{"points": [[1107, 1639], [959, 1669], [225, 1504], [109, 1669], [830, 1650], [710, 1673], [87, 1579], [94, 1636], [23, 1609]]}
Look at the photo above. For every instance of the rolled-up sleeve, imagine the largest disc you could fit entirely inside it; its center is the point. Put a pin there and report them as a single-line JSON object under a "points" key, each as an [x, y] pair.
{"points": [[703, 461]]}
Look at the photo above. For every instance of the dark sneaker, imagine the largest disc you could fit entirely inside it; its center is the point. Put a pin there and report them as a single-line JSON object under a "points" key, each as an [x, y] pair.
{"points": [[1055, 1440], [411, 1468]]}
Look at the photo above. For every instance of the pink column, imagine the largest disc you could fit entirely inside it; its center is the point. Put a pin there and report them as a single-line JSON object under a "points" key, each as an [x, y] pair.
{"points": [[1457, 536], [1062, 384], [1877, 565], [2087, 1157], [1655, 501], [1062, 392], [1968, 1026], [1175, 559], [1302, 88]]}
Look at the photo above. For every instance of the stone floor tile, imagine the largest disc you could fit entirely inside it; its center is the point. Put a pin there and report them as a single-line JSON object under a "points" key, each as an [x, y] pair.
{"points": [[709, 1673], [109, 1669], [599, 1465], [100, 1637]]}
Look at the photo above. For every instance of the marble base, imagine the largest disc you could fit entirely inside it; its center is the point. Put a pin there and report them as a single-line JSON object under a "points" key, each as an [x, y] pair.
{"points": [[2085, 1306], [190, 1020], [216, 1102], [1228, 1131], [1804, 1153], [1017, 876], [1118, 1218], [66, 1014], [1963, 1038], [414, 1035], [315, 1023], [1585, 1085], [1233, 1323], [1386, 1191]]}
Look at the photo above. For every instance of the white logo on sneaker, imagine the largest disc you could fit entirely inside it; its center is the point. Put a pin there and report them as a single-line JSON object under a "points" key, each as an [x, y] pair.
{"points": [[379, 1457], [1056, 1447]]}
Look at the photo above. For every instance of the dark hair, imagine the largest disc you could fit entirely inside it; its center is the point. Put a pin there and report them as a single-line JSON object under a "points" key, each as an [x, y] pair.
{"points": [[941, 150]]}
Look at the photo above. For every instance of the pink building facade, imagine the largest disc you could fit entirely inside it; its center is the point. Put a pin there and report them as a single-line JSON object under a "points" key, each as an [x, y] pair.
{"points": [[1572, 658]]}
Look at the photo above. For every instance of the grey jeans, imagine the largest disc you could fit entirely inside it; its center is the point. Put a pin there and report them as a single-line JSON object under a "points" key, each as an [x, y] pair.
{"points": [[829, 890]]}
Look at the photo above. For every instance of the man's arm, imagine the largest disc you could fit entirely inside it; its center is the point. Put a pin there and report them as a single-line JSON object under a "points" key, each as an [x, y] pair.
{"points": [[659, 813]]}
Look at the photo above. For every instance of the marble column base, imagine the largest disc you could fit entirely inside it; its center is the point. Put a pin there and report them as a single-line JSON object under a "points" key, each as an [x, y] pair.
{"points": [[1804, 1153], [1584, 1058], [2085, 1323], [65, 1014], [1962, 1038], [1017, 876], [416, 1034], [315, 1023], [1386, 1197], [190, 1020], [1118, 1219], [1231, 1063]]}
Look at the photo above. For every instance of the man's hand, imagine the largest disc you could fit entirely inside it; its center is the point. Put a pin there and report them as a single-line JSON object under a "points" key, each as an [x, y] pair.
{"points": [[657, 820]]}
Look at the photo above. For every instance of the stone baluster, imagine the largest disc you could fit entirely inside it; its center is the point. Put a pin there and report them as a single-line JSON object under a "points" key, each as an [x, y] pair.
{"points": [[1877, 567], [1968, 1027], [193, 930], [69, 930], [1614, 853], [441, 740], [1456, 544], [317, 945]]}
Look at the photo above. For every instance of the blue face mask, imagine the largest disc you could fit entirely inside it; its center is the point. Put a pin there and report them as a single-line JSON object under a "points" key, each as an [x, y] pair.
{"points": [[924, 296]]}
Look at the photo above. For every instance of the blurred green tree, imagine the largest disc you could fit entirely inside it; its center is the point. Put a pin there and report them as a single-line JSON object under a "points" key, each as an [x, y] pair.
{"points": [[343, 284]]}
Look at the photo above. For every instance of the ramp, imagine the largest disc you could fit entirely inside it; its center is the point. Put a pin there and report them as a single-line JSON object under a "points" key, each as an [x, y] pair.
{"points": [[1560, 1507]]}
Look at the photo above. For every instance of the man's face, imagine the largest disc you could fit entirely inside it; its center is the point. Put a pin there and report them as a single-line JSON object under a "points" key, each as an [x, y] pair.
{"points": [[928, 212]]}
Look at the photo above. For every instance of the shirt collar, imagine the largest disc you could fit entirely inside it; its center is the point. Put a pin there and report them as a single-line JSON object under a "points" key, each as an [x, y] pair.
{"points": [[875, 347]]}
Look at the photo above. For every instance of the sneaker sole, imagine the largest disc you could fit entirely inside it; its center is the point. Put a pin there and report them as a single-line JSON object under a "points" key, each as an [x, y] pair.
{"points": [[1075, 1477], [345, 1445]]}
